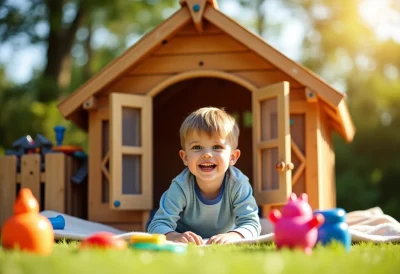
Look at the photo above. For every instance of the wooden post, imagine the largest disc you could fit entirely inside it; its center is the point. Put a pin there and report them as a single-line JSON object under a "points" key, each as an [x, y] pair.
{"points": [[30, 174], [55, 175], [8, 186]]}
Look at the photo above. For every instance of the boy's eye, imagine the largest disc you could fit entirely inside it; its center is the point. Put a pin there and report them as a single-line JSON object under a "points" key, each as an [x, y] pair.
{"points": [[196, 147], [218, 147]]}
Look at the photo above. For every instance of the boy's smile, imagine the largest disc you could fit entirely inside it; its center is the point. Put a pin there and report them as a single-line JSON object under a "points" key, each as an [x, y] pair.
{"points": [[208, 158]]}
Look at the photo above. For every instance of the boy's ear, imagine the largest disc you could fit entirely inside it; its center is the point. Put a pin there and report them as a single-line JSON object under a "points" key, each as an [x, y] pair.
{"points": [[183, 156], [234, 157]]}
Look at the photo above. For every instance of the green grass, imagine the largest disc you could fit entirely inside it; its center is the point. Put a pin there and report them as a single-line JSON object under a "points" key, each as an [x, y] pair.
{"points": [[67, 258]]}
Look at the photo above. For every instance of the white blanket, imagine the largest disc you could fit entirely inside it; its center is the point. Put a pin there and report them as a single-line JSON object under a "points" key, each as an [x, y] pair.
{"points": [[370, 225]]}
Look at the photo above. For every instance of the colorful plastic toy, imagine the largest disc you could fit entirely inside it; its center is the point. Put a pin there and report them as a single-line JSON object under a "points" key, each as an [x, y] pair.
{"points": [[163, 247], [59, 131], [27, 230], [296, 227], [57, 222], [334, 228], [148, 238], [155, 242], [104, 240]]}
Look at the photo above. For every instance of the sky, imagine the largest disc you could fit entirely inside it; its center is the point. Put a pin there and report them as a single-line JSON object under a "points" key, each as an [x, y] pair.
{"points": [[21, 61]]}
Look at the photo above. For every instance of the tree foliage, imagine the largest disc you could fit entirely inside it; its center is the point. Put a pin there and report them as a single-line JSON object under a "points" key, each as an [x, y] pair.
{"points": [[80, 38], [348, 51]]}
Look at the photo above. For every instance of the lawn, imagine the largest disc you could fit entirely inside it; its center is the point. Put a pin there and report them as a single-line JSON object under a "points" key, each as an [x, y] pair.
{"points": [[67, 258]]}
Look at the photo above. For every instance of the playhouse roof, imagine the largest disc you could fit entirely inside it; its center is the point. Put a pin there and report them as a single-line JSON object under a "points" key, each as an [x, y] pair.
{"points": [[72, 108]]}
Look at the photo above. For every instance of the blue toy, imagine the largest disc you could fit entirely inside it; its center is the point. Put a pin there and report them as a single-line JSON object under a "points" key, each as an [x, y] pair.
{"points": [[57, 222], [59, 130], [334, 228]]}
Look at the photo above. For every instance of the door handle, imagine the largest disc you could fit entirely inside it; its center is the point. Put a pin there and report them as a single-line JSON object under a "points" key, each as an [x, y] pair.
{"points": [[282, 166]]}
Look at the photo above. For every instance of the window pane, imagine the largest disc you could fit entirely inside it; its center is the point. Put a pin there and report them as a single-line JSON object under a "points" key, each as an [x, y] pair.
{"points": [[270, 178], [131, 127], [269, 119], [131, 174]]}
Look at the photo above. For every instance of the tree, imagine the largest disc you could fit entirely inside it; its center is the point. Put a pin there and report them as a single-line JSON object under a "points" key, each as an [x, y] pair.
{"points": [[68, 29]]}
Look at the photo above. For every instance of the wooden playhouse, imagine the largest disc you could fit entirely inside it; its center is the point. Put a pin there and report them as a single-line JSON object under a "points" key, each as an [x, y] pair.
{"points": [[133, 109]]}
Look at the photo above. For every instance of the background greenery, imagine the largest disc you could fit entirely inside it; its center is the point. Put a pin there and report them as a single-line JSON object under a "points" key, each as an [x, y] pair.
{"points": [[350, 49]]}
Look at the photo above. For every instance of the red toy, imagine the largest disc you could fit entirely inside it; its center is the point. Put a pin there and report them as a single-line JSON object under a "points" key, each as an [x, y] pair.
{"points": [[103, 240], [296, 227], [27, 229]]}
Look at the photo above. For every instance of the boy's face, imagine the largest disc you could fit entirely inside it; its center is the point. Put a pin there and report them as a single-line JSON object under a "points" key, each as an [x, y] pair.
{"points": [[207, 157]]}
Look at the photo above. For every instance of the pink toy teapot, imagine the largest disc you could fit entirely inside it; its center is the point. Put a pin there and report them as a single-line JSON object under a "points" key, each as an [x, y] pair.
{"points": [[296, 226]]}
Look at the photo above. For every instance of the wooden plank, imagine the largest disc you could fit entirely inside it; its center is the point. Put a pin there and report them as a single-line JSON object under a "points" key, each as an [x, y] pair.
{"points": [[346, 121], [200, 74], [74, 191], [30, 174], [331, 112], [191, 44], [258, 45], [180, 63], [298, 107], [197, 15], [262, 78], [140, 84], [312, 170], [68, 185], [310, 95], [8, 186], [300, 168], [95, 178], [190, 29], [141, 49], [90, 103], [128, 227], [55, 182]]}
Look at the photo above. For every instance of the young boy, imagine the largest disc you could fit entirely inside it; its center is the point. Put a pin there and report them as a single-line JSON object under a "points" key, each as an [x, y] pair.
{"points": [[210, 198]]}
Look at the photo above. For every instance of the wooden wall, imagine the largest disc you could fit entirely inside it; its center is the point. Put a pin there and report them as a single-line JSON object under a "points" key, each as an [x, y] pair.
{"points": [[211, 50], [328, 165]]}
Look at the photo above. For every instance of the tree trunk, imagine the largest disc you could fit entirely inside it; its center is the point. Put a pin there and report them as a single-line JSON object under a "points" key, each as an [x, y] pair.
{"points": [[60, 41]]}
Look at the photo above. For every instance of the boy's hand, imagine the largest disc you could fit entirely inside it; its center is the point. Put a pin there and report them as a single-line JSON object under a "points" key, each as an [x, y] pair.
{"points": [[225, 238], [186, 237]]}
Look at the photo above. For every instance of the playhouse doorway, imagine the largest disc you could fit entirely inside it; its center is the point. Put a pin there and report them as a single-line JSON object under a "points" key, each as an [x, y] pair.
{"points": [[174, 103]]}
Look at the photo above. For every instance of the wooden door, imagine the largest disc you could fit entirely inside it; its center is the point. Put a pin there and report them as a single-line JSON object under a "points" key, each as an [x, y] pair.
{"points": [[131, 183], [271, 144]]}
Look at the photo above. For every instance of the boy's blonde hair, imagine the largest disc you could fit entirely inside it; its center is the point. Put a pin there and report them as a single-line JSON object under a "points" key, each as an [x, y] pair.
{"points": [[212, 121]]}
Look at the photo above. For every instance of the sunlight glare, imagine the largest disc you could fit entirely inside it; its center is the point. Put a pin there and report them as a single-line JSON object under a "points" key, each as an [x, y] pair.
{"points": [[379, 15]]}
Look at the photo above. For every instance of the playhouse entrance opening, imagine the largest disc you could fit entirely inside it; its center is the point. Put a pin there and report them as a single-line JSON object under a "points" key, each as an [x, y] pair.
{"points": [[174, 103]]}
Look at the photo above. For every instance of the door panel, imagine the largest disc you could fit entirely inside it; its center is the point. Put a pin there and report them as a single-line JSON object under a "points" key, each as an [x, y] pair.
{"points": [[271, 144], [131, 184]]}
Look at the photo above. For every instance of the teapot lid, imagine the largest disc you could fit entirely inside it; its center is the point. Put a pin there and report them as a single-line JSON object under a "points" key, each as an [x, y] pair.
{"points": [[332, 215]]}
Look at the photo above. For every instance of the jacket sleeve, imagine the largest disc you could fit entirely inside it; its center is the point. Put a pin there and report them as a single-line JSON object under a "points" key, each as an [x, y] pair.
{"points": [[245, 209], [172, 203]]}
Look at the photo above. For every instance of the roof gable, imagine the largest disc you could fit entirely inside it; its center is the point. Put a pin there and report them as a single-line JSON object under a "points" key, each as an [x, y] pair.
{"points": [[211, 14]]}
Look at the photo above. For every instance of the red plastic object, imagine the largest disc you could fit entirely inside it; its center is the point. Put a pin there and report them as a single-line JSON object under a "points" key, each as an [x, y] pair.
{"points": [[296, 226], [67, 149], [103, 240], [27, 230]]}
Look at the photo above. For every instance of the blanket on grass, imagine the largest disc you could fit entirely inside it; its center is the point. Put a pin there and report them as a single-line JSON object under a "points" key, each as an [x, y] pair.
{"points": [[370, 225]]}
